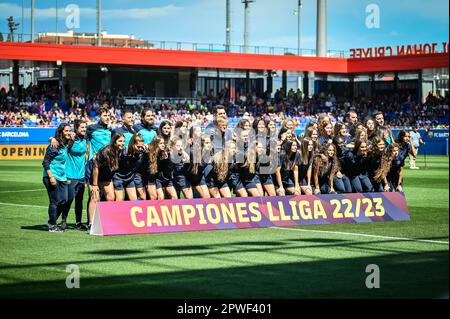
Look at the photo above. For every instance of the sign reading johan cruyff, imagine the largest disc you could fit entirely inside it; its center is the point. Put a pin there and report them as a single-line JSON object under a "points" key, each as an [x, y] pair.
{"points": [[426, 48], [152, 216]]}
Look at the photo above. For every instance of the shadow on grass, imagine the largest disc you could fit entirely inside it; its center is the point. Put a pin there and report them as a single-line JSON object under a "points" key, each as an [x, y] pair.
{"points": [[404, 275], [42, 227], [116, 252], [35, 227], [317, 240]]}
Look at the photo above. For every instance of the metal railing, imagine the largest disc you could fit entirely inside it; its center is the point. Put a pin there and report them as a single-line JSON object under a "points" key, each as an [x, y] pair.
{"points": [[169, 45]]}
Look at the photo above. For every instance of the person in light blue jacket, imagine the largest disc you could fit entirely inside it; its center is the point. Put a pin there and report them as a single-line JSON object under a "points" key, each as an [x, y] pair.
{"points": [[55, 177], [75, 171]]}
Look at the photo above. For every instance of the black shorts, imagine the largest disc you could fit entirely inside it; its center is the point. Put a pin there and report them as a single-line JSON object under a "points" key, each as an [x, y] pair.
{"points": [[213, 183], [160, 183], [288, 183], [140, 180], [251, 183], [196, 180], [303, 182], [266, 179], [121, 183], [181, 182], [235, 182]]}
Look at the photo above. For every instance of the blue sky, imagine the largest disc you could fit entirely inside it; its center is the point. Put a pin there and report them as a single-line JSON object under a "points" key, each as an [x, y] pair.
{"points": [[272, 22]]}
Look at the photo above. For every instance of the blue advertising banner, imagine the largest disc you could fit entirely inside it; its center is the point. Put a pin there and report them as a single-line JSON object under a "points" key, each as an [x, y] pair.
{"points": [[25, 135]]}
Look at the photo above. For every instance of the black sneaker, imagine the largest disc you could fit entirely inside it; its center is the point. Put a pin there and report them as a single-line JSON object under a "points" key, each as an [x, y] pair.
{"points": [[88, 228], [63, 225], [55, 229], [80, 226]]}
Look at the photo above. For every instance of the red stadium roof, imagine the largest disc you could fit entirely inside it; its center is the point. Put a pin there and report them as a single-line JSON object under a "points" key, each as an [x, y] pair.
{"points": [[179, 58]]}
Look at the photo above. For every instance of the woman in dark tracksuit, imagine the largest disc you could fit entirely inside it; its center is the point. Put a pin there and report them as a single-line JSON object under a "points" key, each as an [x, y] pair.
{"points": [[217, 174], [304, 164], [287, 171], [54, 176], [155, 148], [376, 155], [200, 157], [75, 170], [388, 161], [140, 153], [357, 163], [341, 152], [395, 175], [106, 163], [268, 161], [124, 176], [180, 161], [326, 133], [248, 171], [164, 180], [326, 166]]}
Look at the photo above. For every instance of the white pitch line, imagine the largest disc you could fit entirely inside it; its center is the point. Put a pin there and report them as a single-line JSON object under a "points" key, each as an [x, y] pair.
{"points": [[25, 190], [365, 235], [22, 205]]}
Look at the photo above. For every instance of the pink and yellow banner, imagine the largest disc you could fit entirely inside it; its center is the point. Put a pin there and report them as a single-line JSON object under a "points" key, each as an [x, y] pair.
{"points": [[153, 216]]}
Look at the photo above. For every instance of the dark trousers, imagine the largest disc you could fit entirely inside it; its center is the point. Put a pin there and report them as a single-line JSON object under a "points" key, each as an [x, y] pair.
{"points": [[75, 191], [361, 184], [57, 196], [342, 185], [377, 187]]}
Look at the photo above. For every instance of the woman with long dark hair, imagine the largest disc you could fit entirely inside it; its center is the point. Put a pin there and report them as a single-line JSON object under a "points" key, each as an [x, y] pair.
{"points": [[165, 176], [304, 163], [341, 177], [125, 177], [200, 157], [376, 154], [371, 127], [404, 142], [165, 131], [248, 171], [388, 164], [54, 176], [180, 160], [287, 172], [155, 150], [340, 130], [138, 150], [326, 133], [395, 175], [326, 166], [357, 163], [106, 164], [75, 170]]}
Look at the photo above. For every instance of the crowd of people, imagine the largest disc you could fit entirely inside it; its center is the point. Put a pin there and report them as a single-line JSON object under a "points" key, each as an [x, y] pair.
{"points": [[40, 107], [174, 160]]}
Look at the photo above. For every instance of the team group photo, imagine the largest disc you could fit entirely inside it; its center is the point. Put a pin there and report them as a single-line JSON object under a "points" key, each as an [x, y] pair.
{"points": [[239, 150]]}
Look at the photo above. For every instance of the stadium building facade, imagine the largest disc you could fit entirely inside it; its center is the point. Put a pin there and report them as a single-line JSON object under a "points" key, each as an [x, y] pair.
{"points": [[178, 73]]}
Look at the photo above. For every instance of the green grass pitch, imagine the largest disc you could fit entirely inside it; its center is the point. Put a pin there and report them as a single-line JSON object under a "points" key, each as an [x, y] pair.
{"points": [[305, 262]]}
